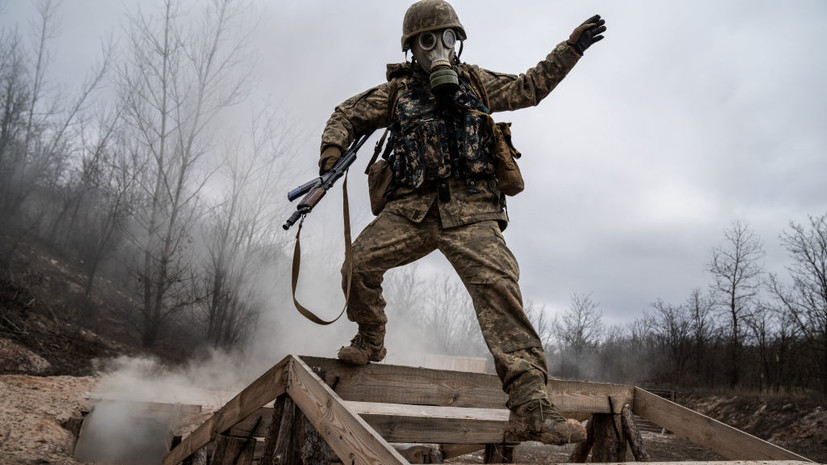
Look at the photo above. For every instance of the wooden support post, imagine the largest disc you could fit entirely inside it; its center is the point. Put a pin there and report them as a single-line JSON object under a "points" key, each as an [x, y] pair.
{"points": [[633, 435], [233, 451], [198, 457], [288, 442], [616, 404], [268, 456], [350, 437], [315, 450], [499, 453], [607, 445], [581, 451]]}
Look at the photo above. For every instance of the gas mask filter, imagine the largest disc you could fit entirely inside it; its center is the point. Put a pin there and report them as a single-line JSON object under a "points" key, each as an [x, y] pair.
{"points": [[433, 52]]}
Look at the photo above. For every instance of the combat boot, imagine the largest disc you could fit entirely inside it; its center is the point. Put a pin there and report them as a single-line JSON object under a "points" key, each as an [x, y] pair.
{"points": [[361, 351], [539, 420]]}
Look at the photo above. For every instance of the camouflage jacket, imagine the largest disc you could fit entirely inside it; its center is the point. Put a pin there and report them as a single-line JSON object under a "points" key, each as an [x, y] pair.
{"points": [[373, 109]]}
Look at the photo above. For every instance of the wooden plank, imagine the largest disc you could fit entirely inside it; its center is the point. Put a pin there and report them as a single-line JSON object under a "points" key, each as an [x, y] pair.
{"points": [[266, 388], [407, 423], [350, 437], [707, 432], [379, 382], [576, 398], [433, 424], [254, 425]]}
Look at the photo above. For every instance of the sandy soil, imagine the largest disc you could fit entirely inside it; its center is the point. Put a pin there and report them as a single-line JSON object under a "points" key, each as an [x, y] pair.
{"points": [[32, 413]]}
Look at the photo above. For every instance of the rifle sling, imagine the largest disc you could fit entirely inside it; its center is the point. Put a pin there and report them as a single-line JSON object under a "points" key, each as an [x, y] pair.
{"points": [[348, 263], [377, 149]]}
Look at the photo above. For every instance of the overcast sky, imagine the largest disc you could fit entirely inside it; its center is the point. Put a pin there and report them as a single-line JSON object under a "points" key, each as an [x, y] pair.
{"points": [[688, 116]]}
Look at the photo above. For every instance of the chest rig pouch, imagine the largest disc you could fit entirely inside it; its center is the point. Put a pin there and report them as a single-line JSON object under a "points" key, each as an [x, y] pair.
{"points": [[438, 137]]}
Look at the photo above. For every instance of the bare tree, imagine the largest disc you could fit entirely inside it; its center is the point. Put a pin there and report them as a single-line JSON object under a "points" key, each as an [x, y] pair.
{"points": [[699, 307], [578, 331], [737, 271], [239, 234], [36, 126], [805, 300], [672, 330], [403, 287], [109, 174], [538, 316], [175, 83], [449, 317]]}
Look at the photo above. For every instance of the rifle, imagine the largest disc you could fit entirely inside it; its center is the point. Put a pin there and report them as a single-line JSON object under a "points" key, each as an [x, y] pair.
{"points": [[318, 187]]}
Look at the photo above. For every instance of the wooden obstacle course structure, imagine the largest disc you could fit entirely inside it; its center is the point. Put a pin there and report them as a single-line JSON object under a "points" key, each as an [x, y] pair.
{"points": [[359, 411]]}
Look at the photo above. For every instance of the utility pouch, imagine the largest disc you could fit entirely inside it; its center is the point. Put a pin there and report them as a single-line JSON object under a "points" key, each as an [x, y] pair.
{"points": [[380, 176], [379, 180], [509, 177]]}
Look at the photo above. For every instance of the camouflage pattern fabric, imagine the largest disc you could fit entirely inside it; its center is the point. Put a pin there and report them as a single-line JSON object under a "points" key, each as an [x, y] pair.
{"points": [[466, 227], [488, 270], [504, 92], [429, 132]]}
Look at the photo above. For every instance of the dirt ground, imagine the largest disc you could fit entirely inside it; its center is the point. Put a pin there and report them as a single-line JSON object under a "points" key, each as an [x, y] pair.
{"points": [[33, 413]]}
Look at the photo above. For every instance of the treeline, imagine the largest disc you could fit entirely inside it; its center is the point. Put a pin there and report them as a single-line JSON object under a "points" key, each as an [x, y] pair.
{"points": [[138, 174], [746, 329]]}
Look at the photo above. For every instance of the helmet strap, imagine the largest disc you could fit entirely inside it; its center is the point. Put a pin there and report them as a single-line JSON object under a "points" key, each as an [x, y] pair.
{"points": [[461, 43]]}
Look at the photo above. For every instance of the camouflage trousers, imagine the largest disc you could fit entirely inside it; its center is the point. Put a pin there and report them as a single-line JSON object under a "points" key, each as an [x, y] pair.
{"points": [[489, 272]]}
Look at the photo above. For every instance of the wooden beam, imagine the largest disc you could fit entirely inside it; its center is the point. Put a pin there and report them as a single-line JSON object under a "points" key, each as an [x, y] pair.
{"points": [[350, 437], [432, 424], [266, 388], [379, 382], [707, 432], [576, 398], [254, 425]]}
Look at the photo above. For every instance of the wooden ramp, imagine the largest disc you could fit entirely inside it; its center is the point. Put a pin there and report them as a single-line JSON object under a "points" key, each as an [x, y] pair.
{"points": [[360, 411]]}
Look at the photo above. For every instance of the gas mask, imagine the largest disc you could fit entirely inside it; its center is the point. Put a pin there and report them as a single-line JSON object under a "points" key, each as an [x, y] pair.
{"points": [[434, 51]]}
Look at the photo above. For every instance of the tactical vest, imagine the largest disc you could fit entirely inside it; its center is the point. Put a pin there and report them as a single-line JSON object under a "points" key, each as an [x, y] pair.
{"points": [[436, 138]]}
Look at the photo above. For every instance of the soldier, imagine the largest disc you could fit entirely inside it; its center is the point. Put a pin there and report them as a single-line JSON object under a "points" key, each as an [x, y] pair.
{"points": [[444, 195]]}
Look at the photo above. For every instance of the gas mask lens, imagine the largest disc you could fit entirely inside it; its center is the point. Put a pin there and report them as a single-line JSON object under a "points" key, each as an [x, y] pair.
{"points": [[427, 40]]}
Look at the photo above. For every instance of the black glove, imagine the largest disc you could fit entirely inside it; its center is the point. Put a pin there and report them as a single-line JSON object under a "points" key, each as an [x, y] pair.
{"points": [[587, 33]]}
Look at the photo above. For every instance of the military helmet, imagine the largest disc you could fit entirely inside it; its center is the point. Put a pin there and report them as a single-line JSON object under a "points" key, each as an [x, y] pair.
{"points": [[429, 15]]}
